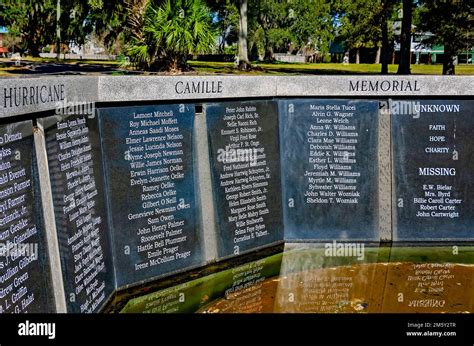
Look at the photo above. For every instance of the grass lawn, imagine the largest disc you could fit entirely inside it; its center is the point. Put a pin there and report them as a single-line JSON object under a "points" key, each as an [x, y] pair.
{"points": [[322, 69], [204, 67], [29, 66], [69, 62]]}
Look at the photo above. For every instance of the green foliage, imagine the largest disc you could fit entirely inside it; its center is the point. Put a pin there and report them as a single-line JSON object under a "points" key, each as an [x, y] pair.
{"points": [[109, 18], [75, 21], [312, 25], [32, 20], [279, 38], [226, 21], [282, 26], [171, 32], [326, 58], [268, 26], [230, 50], [359, 23], [35, 22], [450, 21]]}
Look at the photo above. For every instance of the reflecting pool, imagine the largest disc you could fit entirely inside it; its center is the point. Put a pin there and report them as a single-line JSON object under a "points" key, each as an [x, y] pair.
{"points": [[324, 278]]}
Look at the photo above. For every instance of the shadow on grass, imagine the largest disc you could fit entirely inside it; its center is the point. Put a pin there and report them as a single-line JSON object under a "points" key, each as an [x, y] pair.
{"points": [[302, 71], [274, 69], [53, 68]]}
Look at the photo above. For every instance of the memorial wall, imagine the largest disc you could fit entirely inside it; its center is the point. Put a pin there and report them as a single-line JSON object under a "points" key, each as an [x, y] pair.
{"points": [[25, 282], [244, 154], [330, 169], [125, 185], [433, 160], [150, 182], [77, 187]]}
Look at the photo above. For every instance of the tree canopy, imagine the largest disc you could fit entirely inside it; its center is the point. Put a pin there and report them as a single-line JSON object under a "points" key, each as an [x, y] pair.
{"points": [[170, 31], [451, 22], [247, 28]]}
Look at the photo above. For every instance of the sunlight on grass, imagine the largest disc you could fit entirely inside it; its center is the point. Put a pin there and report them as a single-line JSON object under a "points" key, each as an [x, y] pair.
{"points": [[69, 61], [287, 68], [279, 68]]}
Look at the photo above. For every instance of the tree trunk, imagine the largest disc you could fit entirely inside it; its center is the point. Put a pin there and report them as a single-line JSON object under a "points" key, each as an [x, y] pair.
{"points": [[244, 63], [357, 56], [34, 48], [268, 57], [448, 63], [377, 56], [384, 50], [173, 63], [405, 40], [222, 44], [58, 28]]}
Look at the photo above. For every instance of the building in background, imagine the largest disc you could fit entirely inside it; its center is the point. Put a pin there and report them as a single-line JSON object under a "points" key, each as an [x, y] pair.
{"points": [[424, 53], [3, 45]]}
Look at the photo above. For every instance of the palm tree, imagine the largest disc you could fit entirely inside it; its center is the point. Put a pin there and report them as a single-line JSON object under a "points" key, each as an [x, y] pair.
{"points": [[170, 33]]}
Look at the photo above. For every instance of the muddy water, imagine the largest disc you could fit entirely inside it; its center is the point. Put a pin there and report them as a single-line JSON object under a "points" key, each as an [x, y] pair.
{"points": [[361, 288], [258, 298], [306, 278], [429, 287]]}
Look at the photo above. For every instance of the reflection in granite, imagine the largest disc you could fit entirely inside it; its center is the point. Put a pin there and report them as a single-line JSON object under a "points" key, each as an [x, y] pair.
{"points": [[25, 280], [333, 173], [430, 279], [330, 278], [243, 288], [316, 279], [251, 291], [75, 169], [433, 165], [150, 185], [245, 166]]}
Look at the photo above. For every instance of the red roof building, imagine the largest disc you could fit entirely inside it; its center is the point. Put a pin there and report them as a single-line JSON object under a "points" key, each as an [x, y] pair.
{"points": [[3, 48]]}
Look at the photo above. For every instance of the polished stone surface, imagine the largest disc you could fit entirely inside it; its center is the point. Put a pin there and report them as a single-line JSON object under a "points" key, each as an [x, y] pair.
{"points": [[244, 154], [433, 161], [330, 169], [77, 186], [25, 279], [150, 181], [430, 279]]}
